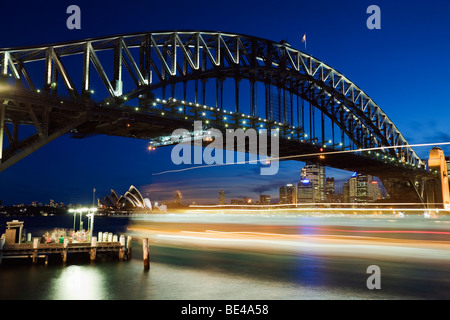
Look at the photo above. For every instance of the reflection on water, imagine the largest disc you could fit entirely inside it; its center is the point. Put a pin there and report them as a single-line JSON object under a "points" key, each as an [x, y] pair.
{"points": [[78, 282]]}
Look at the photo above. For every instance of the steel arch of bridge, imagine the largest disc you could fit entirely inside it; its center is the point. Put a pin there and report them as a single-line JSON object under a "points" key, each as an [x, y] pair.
{"points": [[161, 61]]}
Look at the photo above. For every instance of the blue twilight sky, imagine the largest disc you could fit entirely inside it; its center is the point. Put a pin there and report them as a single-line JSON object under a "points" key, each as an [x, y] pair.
{"points": [[404, 67]]}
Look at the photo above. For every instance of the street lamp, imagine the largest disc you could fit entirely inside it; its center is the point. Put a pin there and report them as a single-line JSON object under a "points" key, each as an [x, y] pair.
{"points": [[81, 210], [74, 217], [90, 216]]}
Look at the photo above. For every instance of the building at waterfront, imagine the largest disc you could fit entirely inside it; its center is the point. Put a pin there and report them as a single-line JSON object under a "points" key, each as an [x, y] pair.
{"points": [[306, 191], [330, 191], [221, 197], [361, 188], [264, 199], [177, 198], [237, 201], [315, 173], [288, 194], [132, 199]]}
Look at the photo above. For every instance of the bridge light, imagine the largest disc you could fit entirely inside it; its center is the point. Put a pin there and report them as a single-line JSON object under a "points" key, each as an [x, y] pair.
{"points": [[162, 113], [38, 90], [203, 114], [180, 108]]}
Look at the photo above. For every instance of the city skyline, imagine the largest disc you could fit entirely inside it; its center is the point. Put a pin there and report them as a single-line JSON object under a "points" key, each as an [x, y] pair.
{"points": [[68, 169]]}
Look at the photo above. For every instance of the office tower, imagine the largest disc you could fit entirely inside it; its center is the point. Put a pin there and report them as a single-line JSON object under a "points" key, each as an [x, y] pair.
{"points": [[329, 190], [306, 191], [221, 197], [264, 199], [346, 192], [177, 198], [315, 173], [288, 194], [362, 188], [374, 192]]}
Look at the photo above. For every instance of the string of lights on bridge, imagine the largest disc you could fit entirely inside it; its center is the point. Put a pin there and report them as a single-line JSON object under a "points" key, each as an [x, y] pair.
{"points": [[247, 120]]}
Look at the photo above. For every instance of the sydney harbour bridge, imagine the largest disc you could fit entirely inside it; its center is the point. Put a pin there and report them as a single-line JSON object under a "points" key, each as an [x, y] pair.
{"points": [[146, 85]]}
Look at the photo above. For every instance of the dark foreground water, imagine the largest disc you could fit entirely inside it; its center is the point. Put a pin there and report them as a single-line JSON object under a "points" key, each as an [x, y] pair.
{"points": [[221, 257]]}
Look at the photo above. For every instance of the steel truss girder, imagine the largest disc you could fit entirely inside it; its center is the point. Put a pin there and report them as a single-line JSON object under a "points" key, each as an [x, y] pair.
{"points": [[177, 56]]}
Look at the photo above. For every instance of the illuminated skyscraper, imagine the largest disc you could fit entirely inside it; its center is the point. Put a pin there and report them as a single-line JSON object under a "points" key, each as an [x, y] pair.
{"points": [[306, 191], [329, 190], [362, 188], [264, 199], [315, 173], [374, 192], [177, 198], [288, 194], [221, 197]]}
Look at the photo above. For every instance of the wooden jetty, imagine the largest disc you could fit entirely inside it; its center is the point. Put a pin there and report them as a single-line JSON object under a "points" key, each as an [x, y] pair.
{"points": [[36, 250], [12, 246]]}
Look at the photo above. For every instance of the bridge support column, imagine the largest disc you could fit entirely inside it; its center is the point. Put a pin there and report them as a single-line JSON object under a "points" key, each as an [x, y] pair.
{"points": [[437, 164], [2, 128], [402, 190]]}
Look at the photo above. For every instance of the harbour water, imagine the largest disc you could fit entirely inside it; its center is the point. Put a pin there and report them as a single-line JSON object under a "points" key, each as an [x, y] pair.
{"points": [[215, 256]]}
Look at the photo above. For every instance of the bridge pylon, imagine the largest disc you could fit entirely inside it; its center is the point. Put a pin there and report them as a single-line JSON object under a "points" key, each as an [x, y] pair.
{"points": [[438, 192]]}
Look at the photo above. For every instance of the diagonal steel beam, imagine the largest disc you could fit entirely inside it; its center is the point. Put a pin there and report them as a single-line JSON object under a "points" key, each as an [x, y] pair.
{"points": [[41, 142]]}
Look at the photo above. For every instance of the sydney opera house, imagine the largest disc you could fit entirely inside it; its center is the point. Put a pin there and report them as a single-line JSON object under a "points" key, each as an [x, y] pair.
{"points": [[131, 200]]}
